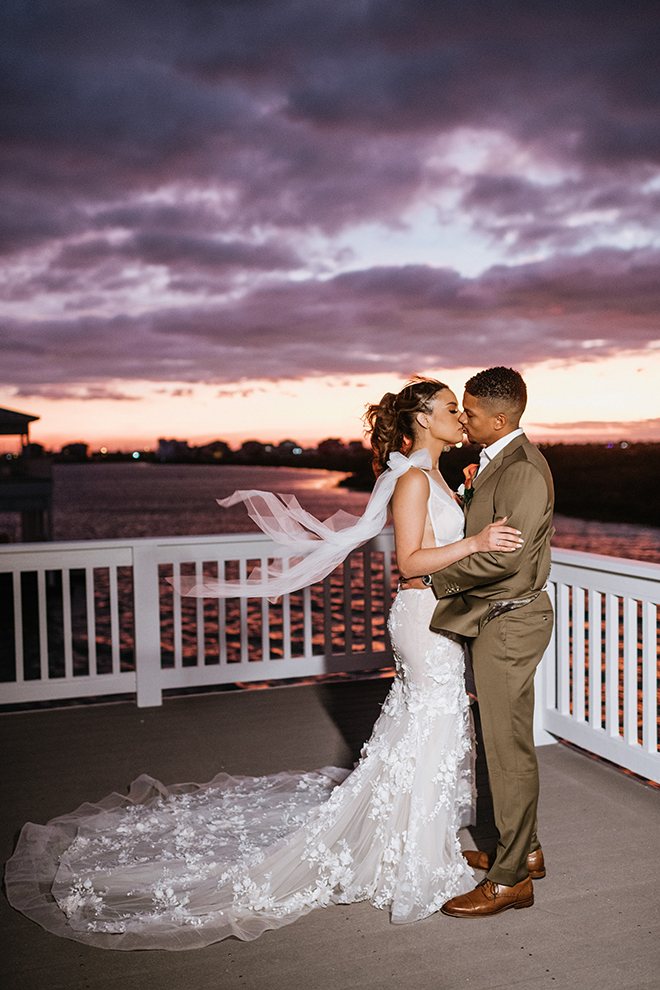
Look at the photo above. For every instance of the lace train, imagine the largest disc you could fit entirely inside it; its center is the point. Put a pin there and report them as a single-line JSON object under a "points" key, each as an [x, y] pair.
{"points": [[183, 866]]}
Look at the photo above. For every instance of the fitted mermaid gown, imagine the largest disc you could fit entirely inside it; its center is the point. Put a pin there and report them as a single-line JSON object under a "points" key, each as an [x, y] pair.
{"points": [[183, 866]]}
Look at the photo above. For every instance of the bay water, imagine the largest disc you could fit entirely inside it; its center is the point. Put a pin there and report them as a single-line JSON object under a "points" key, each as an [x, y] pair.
{"points": [[110, 500]]}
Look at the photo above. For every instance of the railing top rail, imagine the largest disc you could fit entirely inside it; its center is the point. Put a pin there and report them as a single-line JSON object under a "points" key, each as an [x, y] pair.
{"points": [[64, 546], [569, 558], [19, 552], [601, 562]]}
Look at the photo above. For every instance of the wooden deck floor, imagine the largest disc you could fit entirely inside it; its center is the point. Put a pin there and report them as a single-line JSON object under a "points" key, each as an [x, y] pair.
{"points": [[595, 923]]}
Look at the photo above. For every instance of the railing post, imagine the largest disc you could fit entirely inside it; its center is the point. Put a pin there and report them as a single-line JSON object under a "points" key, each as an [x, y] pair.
{"points": [[147, 626], [545, 669], [545, 681]]}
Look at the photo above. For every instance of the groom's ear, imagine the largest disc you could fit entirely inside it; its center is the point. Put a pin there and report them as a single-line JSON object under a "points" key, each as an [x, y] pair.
{"points": [[500, 421]]}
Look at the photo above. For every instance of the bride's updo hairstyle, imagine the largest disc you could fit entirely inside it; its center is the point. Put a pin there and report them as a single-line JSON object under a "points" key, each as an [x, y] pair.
{"points": [[391, 423]]}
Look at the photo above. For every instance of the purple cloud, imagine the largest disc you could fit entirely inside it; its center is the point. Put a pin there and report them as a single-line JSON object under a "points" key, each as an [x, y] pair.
{"points": [[382, 319], [215, 142], [313, 113], [178, 250], [85, 394], [524, 215]]}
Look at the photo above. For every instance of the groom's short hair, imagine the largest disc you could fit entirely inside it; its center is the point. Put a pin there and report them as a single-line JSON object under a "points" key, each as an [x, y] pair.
{"points": [[499, 390]]}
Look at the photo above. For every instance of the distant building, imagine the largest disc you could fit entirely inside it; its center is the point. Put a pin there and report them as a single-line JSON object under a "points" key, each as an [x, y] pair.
{"points": [[173, 450], [288, 452], [16, 424], [74, 452], [253, 451], [214, 453], [26, 485], [331, 448]]}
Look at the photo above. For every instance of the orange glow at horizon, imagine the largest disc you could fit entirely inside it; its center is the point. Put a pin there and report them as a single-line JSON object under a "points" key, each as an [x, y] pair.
{"points": [[611, 398]]}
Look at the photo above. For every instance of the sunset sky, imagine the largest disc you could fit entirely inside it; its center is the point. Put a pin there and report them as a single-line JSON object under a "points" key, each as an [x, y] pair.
{"points": [[248, 218]]}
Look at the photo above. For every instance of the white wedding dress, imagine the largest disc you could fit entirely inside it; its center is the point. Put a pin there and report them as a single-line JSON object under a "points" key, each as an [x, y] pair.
{"points": [[183, 866]]}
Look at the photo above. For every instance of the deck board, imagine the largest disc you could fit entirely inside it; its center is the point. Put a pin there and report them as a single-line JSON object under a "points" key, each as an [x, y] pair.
{"points": [[595, 924]]}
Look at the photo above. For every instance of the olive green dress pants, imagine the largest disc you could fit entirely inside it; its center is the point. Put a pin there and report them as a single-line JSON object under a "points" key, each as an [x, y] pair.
{"points": [[505, 656]]}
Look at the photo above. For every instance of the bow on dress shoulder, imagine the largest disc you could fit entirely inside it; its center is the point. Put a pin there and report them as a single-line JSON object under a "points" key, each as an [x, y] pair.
{"points": [[311, 548]]}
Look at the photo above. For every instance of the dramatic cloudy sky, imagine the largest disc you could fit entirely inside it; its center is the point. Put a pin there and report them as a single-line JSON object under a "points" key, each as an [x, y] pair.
{"points": [[224, 218]]}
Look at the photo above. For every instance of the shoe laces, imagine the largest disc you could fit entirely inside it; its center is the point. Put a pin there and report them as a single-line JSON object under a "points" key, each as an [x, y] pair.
{"points": [[490, 888]]}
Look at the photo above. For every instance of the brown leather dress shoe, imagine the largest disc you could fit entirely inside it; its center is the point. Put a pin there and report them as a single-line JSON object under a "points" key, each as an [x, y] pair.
{"points": [[536, 865], [490, 898], [483, 861]]}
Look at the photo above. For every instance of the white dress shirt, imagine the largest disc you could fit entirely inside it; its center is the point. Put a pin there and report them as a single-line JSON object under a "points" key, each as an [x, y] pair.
{"points": [[488, 453]]}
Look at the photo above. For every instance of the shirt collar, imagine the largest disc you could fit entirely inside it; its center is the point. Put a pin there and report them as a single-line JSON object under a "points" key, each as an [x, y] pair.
{"points": [[500, 444]]}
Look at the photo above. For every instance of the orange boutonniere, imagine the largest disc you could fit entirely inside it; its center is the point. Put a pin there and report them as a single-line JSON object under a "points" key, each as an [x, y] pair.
{"points": [[466, 491]]}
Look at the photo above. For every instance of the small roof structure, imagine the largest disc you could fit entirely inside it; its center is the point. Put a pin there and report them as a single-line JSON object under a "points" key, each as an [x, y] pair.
{"points": [[14, 423]]}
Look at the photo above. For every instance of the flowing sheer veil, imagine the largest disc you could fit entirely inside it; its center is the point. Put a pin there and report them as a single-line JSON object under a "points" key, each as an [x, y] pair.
{"points": [[310, 549]]}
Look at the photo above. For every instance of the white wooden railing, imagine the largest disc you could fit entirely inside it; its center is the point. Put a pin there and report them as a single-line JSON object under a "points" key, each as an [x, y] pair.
{"points": [[598, 684], [98, 618]]}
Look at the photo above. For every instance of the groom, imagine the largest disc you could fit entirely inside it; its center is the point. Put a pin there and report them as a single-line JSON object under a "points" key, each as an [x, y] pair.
{"points": [[499, 602]]}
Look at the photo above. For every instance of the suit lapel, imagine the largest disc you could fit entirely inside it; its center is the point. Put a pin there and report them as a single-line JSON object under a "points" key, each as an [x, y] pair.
{"points": [[496, 462]]}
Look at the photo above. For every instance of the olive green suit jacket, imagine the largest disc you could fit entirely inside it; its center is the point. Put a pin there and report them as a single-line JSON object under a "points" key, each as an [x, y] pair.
{"points": [[517, 484]]}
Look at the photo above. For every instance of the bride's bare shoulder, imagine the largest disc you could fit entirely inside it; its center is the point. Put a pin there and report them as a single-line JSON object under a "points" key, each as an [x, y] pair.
{"points": [[413, 483]]}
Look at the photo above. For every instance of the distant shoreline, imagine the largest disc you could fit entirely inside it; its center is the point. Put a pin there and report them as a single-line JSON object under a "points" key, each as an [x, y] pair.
{"points": [[615, 484], [593, 483]]}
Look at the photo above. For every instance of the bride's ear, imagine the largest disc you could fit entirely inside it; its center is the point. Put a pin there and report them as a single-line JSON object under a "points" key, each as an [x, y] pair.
{"points": [[422, 420]]}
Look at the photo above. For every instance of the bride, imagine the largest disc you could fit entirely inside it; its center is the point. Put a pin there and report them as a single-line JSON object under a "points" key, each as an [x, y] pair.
{"points": [[182, 866]]}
